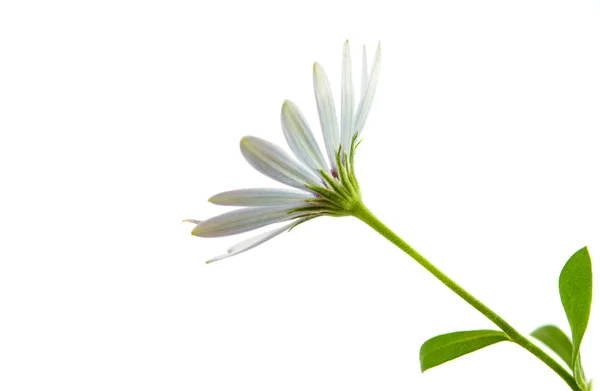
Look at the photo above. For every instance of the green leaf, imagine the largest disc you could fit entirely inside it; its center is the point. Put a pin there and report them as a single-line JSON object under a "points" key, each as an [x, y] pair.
{"points": [[575, 285], [556, 340], [447, 347], [579, 374]]}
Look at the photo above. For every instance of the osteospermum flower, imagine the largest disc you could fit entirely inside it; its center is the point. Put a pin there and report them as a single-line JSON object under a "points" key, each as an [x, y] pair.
{"points": [[319, 186], [327, 186]]}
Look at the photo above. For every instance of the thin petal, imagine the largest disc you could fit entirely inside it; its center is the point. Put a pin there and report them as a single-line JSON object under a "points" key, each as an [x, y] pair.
{"points": [[327, 114], [260, 197], [347, 115], [243, 220], [300, 138], [367, 98], [364, 81], [275, 163], [254, 241]]}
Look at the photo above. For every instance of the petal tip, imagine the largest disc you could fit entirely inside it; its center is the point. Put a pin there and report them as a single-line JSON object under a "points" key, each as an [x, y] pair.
{"points": [[197, 231], [318, 69], [246, 141]]}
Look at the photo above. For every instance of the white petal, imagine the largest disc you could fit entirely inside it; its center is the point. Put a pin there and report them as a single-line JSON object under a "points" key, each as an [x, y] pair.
{"points": [[192, 221], [300, 138], [254, 241], [347, 114], [260, 197], [327, 114], [275, 163], [364, 81], [367, 99], [243, 220]]}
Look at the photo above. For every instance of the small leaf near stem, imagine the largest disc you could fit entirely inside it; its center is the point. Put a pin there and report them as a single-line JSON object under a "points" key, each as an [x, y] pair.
{"points": [[446, 347], [557, 340]]}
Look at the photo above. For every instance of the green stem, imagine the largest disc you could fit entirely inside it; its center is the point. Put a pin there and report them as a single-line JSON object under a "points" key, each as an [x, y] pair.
{"points": [[361, 212]]}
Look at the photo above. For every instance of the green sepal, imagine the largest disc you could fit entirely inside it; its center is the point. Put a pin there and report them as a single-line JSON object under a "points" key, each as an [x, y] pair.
{"points": [[446, 347]]}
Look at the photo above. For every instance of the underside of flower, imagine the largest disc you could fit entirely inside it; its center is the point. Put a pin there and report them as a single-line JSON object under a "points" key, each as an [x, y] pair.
{"points": [[340, 193], [318, 187]]}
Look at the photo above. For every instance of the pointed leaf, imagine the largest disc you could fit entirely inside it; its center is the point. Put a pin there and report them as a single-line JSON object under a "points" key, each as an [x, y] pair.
{"points": [[557, 340], [447, 347], [575, 285]]}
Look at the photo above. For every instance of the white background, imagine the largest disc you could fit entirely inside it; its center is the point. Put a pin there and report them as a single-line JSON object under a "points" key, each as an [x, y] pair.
{"points": [[119, 119]]}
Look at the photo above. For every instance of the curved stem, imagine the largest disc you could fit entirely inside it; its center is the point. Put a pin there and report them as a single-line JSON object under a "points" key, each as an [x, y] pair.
{"points": [[361, 212]]}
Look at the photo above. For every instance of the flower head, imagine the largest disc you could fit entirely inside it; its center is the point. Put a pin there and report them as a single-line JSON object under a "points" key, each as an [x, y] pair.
{"points": [[319, 186]]}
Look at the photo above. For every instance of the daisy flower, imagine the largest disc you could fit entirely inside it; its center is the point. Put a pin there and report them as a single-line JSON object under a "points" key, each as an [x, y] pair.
{"points": [[319, 185], [326, 185]]}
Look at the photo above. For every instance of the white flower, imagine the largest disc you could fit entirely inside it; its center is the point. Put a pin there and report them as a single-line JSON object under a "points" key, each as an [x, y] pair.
{"points": [[318, 187]]}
